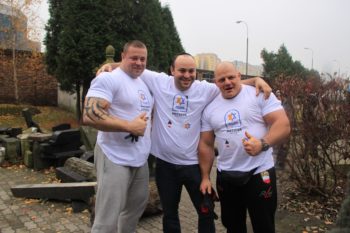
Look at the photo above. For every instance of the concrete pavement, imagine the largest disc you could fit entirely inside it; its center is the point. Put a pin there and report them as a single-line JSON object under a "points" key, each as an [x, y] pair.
{"points": [[48, 216]]}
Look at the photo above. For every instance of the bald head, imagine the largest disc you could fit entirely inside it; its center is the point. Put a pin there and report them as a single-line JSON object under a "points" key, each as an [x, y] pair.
{"points": [[184, 71], [228, 79], [224, 66]]}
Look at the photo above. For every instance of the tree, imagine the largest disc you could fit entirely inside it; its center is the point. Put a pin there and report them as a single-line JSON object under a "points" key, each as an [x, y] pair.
{"points": [[281, 63], [15, 31], [53, 29], [172, 39], [79, 31]]}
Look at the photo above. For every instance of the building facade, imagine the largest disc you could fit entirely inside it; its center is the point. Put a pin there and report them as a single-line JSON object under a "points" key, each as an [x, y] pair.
{"points": [[252, 69], [13, 30], [207, 61]]}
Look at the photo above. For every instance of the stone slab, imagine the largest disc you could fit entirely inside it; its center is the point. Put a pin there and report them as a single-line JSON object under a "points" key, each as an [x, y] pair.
{"points": [[66, 175], [60, 191]]}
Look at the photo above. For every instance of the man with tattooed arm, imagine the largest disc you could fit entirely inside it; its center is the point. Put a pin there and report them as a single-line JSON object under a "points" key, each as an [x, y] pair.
{"points": [[179, 100], [119, 105]]}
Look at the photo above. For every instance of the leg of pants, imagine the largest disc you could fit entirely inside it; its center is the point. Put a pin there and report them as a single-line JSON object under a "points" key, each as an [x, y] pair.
{"points": [[122, 194], [233, 206], [169, 189], [258, 197], [137, 199], [191, 177], [170, 178], [262, 203]]}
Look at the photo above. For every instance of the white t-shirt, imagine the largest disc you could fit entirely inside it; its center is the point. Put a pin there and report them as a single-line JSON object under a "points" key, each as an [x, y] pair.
{"points": [[176, 120], [128, 97], [230, 119]]}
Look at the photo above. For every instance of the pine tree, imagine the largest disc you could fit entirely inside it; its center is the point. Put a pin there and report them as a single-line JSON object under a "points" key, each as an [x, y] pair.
{"points": [[79, 31], [281, 63]]}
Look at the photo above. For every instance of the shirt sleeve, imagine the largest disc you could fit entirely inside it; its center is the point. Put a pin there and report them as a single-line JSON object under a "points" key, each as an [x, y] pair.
{"points": [[269, 105], [211, 89], [150, 78], [102, 87], [205, 123]]}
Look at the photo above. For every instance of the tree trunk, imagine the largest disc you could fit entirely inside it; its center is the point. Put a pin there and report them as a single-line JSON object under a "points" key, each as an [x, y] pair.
{"points": [[81, 167], [14, 66], [78, 100], [86, 86]]}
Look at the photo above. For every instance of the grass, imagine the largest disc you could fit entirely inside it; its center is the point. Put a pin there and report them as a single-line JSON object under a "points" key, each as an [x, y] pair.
{"points": [[45, 116]]}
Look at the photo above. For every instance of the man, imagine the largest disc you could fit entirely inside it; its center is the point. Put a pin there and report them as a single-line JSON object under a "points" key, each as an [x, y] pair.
{"points": [[179, 102], [119, 104], [244, 127]]}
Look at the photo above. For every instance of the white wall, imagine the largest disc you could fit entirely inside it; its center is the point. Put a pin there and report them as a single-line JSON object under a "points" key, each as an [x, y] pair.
{"points": [[67, 100]]}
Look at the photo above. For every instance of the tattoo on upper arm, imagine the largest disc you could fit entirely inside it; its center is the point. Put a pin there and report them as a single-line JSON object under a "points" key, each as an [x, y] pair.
{"points": [[95, 109]]}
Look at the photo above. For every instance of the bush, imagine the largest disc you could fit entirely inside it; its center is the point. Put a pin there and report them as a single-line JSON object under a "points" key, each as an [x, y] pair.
{"points": [[319, 111]]}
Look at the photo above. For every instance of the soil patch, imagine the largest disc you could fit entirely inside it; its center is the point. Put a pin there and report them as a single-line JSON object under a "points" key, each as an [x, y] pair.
{"points": [[299, 212]]}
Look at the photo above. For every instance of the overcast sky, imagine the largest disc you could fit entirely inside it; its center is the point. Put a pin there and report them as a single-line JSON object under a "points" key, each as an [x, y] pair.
{"points": [[208, 26]]}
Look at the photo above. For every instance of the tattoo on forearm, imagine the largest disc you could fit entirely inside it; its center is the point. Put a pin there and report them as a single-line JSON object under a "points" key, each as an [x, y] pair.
{"points": [[95, 110]]}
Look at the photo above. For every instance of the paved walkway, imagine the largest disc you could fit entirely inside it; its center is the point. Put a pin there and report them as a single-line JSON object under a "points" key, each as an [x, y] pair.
{"points": [[31, 215], [48, 216]]}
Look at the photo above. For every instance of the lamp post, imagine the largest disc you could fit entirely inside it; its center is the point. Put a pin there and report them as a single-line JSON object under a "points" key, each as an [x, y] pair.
{"points": [[336, 61], [246, 62], [312, 57]]}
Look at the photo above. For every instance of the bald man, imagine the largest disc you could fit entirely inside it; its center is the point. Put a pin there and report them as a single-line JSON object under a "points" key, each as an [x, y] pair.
{"points": [[179, 100], [245, 128]]}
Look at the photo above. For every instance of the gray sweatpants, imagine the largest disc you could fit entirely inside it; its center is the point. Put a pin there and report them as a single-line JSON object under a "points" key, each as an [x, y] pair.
{"points": [[122, 195]]}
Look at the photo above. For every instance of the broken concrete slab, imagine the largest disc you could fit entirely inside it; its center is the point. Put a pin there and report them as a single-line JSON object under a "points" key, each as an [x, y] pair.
{"points": [[67, 176], [59, 191]]}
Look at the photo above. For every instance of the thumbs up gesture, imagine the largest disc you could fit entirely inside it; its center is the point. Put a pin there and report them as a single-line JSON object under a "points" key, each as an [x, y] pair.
{"points": [[138, 125], [251, 144]]}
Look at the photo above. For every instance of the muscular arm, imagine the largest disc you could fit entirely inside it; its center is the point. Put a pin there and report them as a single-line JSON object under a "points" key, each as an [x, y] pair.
{"points": [[257, 82], [260, 85], [96, 115], [108, 67], [206, 159], [279, 127], [279, 130]]}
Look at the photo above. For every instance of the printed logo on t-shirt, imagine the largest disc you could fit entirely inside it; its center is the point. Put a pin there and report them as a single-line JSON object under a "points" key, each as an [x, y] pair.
{"points": [[180, 105], [233, 121], [144, 102], [187, 125]]}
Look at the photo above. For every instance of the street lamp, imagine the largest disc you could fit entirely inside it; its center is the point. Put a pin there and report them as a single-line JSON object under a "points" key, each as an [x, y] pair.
{"points": [[336, 61], [312, 58], [246, 62]]}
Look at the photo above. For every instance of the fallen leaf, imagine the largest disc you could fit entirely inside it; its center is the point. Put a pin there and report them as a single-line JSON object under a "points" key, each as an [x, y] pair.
{"points": [[31, 201], [69, 210]]}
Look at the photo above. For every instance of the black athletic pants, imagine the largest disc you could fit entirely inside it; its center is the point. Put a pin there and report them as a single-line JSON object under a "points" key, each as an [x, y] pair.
{"points": [[258, 196]]}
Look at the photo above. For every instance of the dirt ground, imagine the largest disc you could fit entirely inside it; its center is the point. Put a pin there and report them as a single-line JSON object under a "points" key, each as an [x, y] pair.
{"points": [[299, 213]]}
